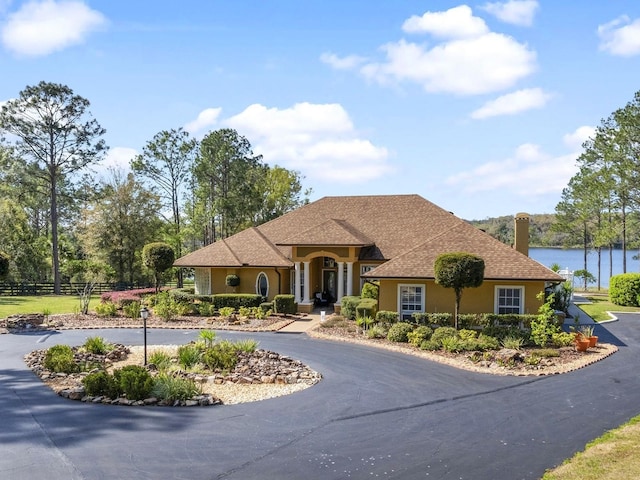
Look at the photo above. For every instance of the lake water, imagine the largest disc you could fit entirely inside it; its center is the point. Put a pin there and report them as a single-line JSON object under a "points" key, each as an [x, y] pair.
{"points": [[573, 259]]}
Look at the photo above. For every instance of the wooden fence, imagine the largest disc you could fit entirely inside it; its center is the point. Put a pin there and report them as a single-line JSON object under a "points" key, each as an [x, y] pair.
{"points": [[46, 288]]}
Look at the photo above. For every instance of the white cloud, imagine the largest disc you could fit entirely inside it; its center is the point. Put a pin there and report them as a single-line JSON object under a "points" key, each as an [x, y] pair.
{"points": [[319, 140], [342, 63], [516, 12], [43, 27], [513, 103], [484, 64], [529, 172], [457, 22], [575, 140], [620, 37], [206, 118], [118, 158], [469, 59]]}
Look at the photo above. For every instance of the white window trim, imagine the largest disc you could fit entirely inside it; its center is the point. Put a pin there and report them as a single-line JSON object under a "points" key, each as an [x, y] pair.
{"points": [[515, 287], [258, 284], [423, 299]]}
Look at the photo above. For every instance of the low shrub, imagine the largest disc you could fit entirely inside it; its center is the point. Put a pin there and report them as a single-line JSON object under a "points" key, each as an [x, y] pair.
{"points": [[247, 345], [59, 359], [208, 337], [419, 335], [501, 332], [206, 309], [134, 382], [466, 334], [235, 300], [97, 346], [227, 312], [101, 384], [266, 306], [443, 332], [513, 342], [106, 309], [429, 319], [377, 331], [172, 388], [430, 345], [399, 332], [370, 290], [221, 357], [166, 307], [546, 353], [367, 307], [469, 320], [562, 339], [385, 316]]}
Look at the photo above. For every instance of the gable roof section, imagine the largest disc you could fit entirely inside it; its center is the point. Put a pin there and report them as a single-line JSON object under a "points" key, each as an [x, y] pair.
{"points": [[501, 261], [330, 232], [247, 248]]}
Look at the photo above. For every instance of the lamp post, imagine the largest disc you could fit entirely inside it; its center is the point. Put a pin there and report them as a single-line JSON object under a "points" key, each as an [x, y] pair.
{"points": [[144, 313]]}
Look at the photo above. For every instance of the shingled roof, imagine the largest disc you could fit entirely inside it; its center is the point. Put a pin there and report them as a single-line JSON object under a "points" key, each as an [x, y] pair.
{"points": [[406, 230]]}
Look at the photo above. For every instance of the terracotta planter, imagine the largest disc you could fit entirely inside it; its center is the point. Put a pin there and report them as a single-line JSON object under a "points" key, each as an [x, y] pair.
{"points": [[582, 344], [593, 340]]}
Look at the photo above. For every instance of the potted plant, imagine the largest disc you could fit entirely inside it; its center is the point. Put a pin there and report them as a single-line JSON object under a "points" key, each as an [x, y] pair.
{"points": [[587, 332]]}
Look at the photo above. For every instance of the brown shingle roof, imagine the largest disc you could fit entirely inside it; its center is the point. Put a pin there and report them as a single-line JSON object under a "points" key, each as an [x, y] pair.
{"points": [[407, 230], [501, 261]]}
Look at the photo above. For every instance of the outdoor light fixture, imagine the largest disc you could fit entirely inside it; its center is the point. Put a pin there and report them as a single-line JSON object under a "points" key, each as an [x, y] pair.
{"points": [[144, 313]]}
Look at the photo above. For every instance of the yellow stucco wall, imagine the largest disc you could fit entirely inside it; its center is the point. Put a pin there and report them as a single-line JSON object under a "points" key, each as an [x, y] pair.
{"points": [[278, 280], [474, 300]]}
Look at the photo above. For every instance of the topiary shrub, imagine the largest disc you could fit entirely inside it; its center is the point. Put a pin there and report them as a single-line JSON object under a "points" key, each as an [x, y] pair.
{"points": [[348, 305], [284, 304], [367, 307], [624, 289], [387, 317], [399, 332], [59, 359], [232, 280], [370, 290]]}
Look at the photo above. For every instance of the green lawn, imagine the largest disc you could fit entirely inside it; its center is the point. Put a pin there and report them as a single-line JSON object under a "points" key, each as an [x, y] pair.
{"points": [[599, 306], [47, 303]]}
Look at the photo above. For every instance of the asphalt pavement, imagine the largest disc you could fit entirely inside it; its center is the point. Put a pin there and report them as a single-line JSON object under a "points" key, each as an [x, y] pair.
{"points": [[375, 414]]}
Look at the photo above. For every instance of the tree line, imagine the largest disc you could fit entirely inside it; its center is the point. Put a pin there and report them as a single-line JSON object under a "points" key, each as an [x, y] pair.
{"points": [[55, 211]]}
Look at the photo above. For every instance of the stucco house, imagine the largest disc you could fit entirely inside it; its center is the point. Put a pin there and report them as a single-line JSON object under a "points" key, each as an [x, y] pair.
{"points": [[329, 248]]}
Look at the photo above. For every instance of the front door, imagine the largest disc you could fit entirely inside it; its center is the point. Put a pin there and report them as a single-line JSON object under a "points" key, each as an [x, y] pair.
{"points": [[329, 284]]}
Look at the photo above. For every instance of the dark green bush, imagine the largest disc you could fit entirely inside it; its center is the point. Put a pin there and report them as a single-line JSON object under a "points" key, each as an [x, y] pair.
{"points": [[624, 289], [470, 320], [511, 319], [232, 280], [284, 304], [134, 382], [235, 300], [171, 388], [348, 305], [367, 307], [101, 384], [429, 319], [266, 306], [504, 331], [59, 359], [399, 332], [385, 316], [430, 345]]}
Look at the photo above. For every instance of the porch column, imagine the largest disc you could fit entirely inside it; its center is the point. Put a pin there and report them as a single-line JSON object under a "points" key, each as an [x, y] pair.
{"points": [[307, 280], [297, 284], [349, 278], [340, 281]]}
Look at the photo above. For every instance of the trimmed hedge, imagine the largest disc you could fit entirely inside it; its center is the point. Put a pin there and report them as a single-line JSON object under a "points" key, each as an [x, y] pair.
{"points": [[624, 289], [235, 300], [428, 319], [348, 305], [385, 316], [285, 304], [367, 307]]}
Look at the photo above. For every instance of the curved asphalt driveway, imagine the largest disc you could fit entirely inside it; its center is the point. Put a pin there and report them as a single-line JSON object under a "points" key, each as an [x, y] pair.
{"points": [[376, 414]]}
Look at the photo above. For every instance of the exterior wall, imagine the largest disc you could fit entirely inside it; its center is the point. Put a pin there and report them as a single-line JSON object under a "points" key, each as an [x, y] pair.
{"points": [[278, 280], [474, 300]]}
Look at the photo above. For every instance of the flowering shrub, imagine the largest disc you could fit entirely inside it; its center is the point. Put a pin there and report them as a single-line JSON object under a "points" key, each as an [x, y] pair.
{"points": [[125, 297]]}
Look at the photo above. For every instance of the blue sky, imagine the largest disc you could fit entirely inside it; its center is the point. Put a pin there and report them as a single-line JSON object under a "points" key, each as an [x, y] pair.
{"points": [[479, 107]]}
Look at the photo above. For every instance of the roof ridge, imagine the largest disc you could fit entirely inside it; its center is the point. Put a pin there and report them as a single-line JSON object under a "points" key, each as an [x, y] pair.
{"points": [[230, 250], [269, 243]]}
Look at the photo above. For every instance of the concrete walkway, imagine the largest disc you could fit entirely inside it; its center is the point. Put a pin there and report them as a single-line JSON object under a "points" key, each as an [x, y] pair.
{"points": [[300, 326]]}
